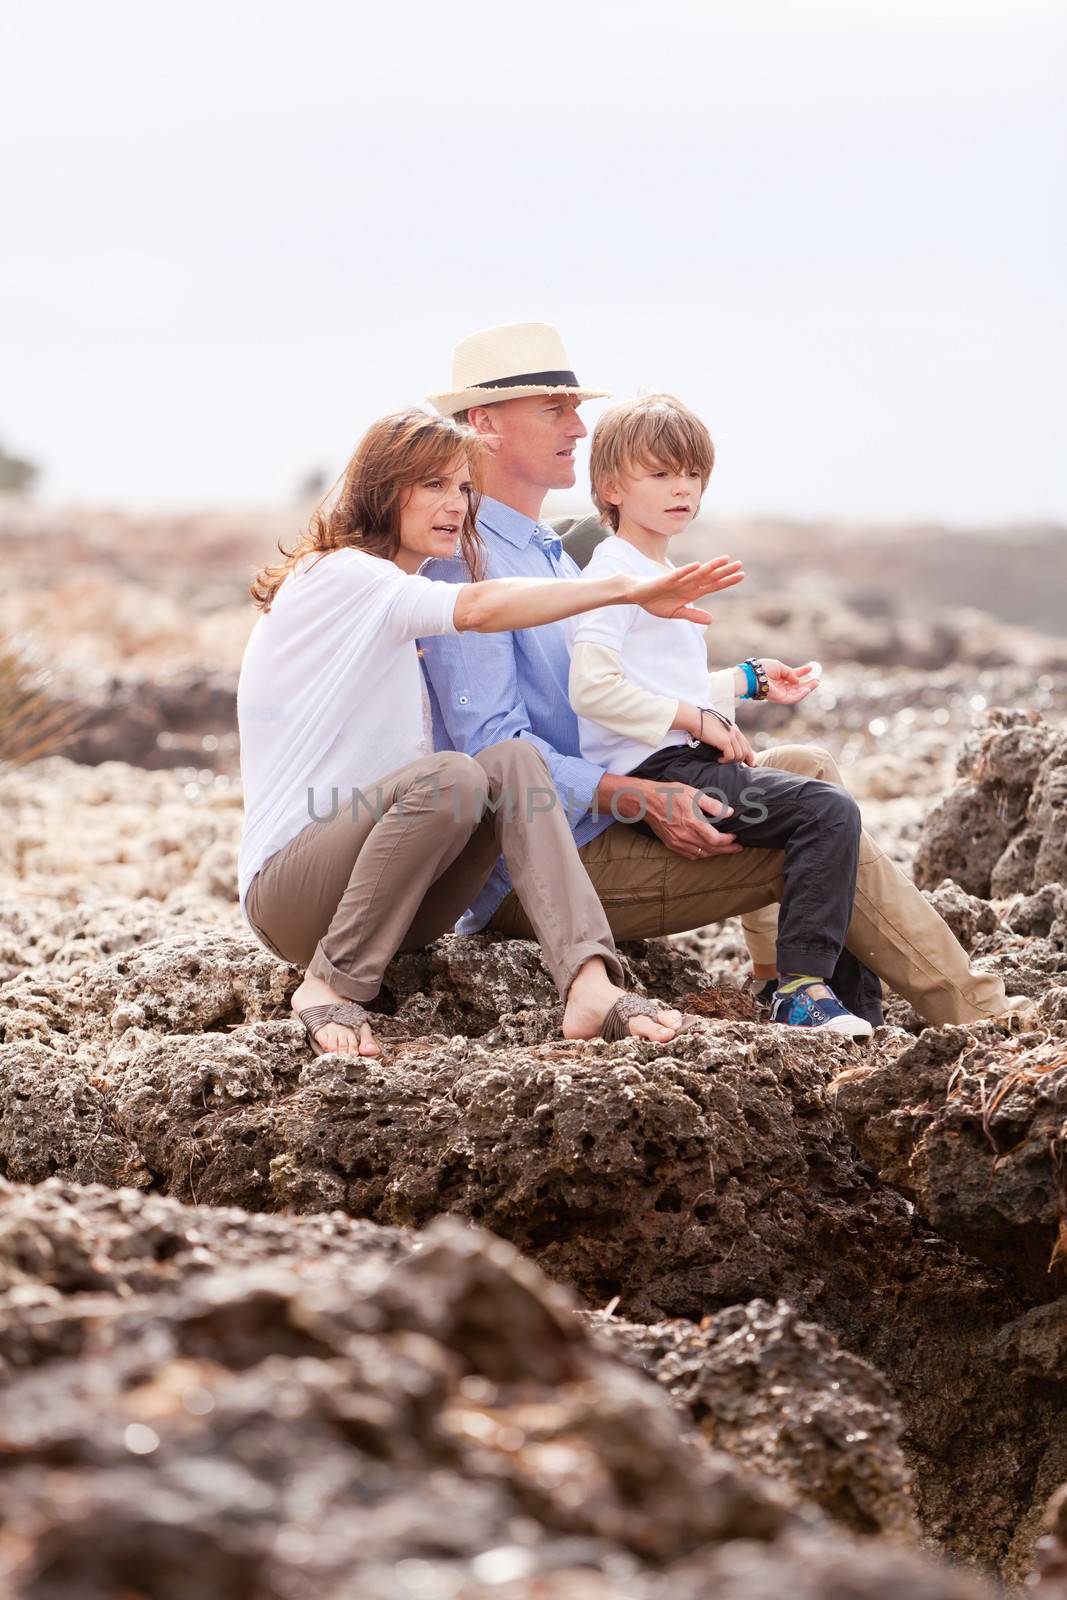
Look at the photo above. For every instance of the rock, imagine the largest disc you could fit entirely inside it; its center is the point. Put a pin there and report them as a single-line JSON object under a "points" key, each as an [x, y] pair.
{"points": [[967, 915], [207, 1110], [782, 1396], [963, 839], [202, 981], [176, 720], [451, 1388], [1003, 828], [806, 1568], [55, 1118], [173, 1378], [698, 1183], [683, 1182], [971, 1124], [68, 1253], [1036, 1342], [144, 836], [1041, 915], [1046, 821], [668, 1179]]}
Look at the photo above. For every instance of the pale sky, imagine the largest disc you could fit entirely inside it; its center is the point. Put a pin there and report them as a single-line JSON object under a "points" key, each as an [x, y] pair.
{"points": [[233, 233]]}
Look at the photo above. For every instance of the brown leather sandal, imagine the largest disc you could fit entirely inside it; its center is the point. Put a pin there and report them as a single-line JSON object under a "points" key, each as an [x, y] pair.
{"points": [[346, 1013], [616, 1024]]}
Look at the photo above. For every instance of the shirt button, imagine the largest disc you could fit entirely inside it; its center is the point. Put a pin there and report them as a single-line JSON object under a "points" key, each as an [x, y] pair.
{"points": [[464, 699]]}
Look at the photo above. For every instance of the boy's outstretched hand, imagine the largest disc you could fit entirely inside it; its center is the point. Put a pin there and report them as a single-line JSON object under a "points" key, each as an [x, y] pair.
{"points": [[787, 685], [670, 595]]}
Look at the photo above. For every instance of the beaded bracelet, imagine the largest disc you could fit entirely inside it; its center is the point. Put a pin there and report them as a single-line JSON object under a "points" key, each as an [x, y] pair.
{"points": [[751, 681], [763, 687]]}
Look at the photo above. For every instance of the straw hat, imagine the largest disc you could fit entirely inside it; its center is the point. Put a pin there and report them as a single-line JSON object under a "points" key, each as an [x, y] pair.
{"points": [[519, 358]]}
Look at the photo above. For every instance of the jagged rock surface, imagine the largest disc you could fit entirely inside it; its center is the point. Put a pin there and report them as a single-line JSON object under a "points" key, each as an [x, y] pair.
{"points": [[1003, 828], [196, 1406], [782, 1395], [682, 1182], [971, 1124], [146, 1040]]}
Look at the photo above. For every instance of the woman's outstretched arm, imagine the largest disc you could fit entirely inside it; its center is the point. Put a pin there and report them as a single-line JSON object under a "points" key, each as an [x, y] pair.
{"points": [[499, 605]]}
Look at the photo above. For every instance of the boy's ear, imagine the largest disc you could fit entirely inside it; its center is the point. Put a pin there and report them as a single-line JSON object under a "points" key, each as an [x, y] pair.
{"points": [[611, 492]]}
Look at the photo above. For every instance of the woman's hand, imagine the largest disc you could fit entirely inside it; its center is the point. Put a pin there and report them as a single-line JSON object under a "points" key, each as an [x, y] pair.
{"points": [[670, 595], [787, 685]]}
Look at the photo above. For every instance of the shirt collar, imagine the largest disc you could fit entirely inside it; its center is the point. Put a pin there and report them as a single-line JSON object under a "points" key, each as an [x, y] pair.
{"points": [[514, 526]]}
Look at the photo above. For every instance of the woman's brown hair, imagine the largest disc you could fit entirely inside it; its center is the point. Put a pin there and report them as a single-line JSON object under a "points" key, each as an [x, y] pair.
{"points": [[395, 454]]}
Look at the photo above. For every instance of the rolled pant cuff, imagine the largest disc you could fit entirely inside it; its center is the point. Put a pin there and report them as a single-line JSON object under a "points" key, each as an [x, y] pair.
{"points": [[320, 966], [576, 958], [793, 959]]}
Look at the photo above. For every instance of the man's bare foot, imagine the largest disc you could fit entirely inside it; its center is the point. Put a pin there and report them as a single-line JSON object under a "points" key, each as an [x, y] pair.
{"points": [[592, 995], [333, 1036]]}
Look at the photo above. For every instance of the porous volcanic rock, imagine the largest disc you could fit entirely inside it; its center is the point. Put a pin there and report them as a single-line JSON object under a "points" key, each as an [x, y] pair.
{"points": [[228, 1424], [72, 835], [56, 1120], [781, 1395], [308, 1409], [68, 1251], [1003, 828], [684, 1181], [969, 917], [971, 1124]]}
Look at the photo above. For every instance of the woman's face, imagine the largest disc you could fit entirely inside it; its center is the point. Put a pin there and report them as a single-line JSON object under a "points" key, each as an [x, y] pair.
{"points": [[432, 515]]}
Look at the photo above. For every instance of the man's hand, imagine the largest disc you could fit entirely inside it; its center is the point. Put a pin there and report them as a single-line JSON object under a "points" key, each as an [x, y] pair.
{"points": [[787, 685], [670, 595], [674, 811]]}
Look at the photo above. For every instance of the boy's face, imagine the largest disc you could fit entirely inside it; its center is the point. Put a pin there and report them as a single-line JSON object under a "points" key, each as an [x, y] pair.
{"points": [[657, 498]]}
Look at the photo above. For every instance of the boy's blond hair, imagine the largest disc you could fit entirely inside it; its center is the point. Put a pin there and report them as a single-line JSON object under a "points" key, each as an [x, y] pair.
{"points": [[654, 430]]}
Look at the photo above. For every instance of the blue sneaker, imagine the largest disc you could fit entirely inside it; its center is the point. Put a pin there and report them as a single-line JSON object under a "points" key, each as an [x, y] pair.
{"points": [[815, 1005], [763, 993]]}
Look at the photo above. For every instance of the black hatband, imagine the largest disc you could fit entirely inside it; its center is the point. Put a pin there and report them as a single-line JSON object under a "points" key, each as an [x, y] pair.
{"points": [[519, 380]]}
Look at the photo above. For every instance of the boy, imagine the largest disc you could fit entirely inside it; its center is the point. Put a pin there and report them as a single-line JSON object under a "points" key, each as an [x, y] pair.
{"points": [[648, 707]]}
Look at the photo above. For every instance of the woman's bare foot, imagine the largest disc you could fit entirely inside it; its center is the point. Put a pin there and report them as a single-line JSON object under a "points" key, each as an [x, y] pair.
{"points": [[333, 1036], [592, 995]]}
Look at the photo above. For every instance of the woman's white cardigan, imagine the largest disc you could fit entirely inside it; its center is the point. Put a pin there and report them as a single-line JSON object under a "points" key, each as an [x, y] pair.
{"points": [[331, 695]]}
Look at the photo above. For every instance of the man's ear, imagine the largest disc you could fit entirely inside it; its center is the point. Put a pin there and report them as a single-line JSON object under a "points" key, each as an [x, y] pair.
{"points": [[486, 426]]}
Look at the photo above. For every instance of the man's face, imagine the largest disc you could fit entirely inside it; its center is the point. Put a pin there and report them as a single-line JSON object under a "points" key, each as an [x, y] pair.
{"points": [[538, 434]]}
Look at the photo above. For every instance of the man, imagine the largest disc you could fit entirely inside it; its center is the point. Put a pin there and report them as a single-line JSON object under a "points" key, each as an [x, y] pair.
{"points": [[515, 386]]}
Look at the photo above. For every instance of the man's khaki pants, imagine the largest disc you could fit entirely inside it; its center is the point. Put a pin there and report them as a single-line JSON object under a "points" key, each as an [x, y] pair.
{"points": [[648, 890]]}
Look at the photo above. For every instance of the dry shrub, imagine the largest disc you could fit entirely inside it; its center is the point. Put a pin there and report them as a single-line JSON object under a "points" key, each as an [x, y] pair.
{"points": [[32, 723]]}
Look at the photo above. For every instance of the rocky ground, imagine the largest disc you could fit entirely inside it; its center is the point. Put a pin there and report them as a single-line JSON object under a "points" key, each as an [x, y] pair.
{"points": [[499, 1315]]}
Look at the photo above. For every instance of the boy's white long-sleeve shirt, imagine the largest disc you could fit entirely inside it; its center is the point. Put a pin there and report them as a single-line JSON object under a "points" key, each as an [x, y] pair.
{"points": [[630, 669]]}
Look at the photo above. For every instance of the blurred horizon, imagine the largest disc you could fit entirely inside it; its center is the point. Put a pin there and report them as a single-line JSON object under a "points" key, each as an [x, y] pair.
{"points": [[235, 237]]}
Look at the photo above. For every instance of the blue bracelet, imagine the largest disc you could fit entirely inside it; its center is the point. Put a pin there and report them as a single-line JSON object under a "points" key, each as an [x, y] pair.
{"points": [[751, 680]]}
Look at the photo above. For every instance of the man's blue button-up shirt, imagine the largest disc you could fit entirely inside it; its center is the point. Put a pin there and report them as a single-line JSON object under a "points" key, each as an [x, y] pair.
{"points": [[488, 687]]}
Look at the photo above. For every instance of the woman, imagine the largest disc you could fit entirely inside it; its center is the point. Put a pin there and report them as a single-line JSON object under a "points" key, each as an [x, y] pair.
{"points": [[335, 727]]}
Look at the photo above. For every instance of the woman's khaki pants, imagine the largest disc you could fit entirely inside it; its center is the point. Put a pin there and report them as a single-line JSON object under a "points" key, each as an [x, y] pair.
{"points": [[396, 869], [648, 890]]}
